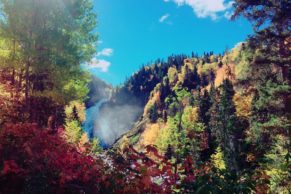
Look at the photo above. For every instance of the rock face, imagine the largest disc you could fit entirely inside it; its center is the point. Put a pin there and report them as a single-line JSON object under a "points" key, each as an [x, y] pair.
{"points": [[98, 90], [132, 135]]}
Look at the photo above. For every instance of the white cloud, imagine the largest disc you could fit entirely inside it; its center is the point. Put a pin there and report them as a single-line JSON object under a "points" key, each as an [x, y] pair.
{"points": [[206, 8], [105, 52], [100, 64], [164, 17]]}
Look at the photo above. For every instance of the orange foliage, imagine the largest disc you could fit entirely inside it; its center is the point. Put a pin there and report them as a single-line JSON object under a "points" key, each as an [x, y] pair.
{"points": [[149, 136], [226, 71], [243, 104]]}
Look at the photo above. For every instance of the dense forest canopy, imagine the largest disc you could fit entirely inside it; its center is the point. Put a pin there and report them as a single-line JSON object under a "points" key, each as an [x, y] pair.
{"points": [[215, 123]]}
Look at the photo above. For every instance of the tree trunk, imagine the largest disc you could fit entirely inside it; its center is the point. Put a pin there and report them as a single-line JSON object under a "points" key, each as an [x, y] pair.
{"points": [[13, 77], [19, 86], [27, 85], [12, 82]]}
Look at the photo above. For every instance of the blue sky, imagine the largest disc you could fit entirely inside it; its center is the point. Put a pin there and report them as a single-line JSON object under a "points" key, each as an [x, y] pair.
{"points": [[134, 32]]}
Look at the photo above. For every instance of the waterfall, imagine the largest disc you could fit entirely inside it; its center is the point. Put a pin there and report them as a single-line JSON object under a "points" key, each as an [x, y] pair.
{"points": [[107, 120], [92, 114]]}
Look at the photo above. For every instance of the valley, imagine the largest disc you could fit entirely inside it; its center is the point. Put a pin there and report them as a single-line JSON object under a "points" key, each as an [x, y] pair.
{"points": [[211, 120]]}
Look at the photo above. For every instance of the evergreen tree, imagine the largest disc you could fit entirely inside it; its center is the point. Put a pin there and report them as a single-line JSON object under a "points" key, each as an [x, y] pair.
{"points": [[271, 75], [169, 152], [225, 125], [153, 113], [213, 112], [204, 117], [204, 106], [229, 127], [75, 115], [95, 146], [73, 131]]}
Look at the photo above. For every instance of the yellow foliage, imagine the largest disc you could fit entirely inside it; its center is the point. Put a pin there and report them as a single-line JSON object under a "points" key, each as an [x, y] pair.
{"points": [[3, 92], [80, 107], [125, 143], [84, 139], [84, 143], [212, 58], [172, 75], [73, 131], [190, 66], [150, 134], [242, 104], [155, 99], [205, 68], [232, 56], [217, 159], [191, 113]]}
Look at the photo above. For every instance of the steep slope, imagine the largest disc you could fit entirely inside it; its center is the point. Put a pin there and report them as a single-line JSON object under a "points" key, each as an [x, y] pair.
{"points": [[127, 102], [99, 90], [181, 87]]}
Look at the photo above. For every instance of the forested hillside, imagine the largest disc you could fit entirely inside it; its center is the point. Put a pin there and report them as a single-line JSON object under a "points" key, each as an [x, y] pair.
{"points": [[211, 123]]}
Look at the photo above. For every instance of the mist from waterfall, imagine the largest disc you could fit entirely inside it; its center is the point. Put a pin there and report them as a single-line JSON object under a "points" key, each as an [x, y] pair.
{"points": [[114, 121], [92, 114], [107, 120]]}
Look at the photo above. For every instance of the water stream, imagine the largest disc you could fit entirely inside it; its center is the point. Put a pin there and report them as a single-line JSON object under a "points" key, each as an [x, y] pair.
{"points": [[92, 115]]}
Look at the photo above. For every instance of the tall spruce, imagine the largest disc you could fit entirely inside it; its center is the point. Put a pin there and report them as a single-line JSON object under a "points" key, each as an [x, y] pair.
{"points": [[227, 125], [271, 71]]}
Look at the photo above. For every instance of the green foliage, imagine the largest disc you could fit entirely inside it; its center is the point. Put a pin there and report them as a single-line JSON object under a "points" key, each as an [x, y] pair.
{"points": [[133, 140], [169, 135], [181, 93], [277, 165], [222, 182], [95, 146], [269, 95], [45, 43], [268, 112], [224, 125], [77, 89], [206, 68], [242, 68], [190, 120], [204, 106]]}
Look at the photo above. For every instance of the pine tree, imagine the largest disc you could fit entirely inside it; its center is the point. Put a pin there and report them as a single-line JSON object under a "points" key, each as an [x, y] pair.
{"points": [[224, 125], [213, 112], [95, 146], [204, 117], [75, 115], [169, 153], [204, 106], [73, 131], [153, 113], [229, 126]]}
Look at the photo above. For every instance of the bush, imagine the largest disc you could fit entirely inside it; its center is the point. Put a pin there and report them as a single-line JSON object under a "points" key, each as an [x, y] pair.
{"points": [[34, 161]]}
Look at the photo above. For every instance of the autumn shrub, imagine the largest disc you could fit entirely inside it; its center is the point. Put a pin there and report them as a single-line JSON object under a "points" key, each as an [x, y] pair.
{"points": [[34, 161]]}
